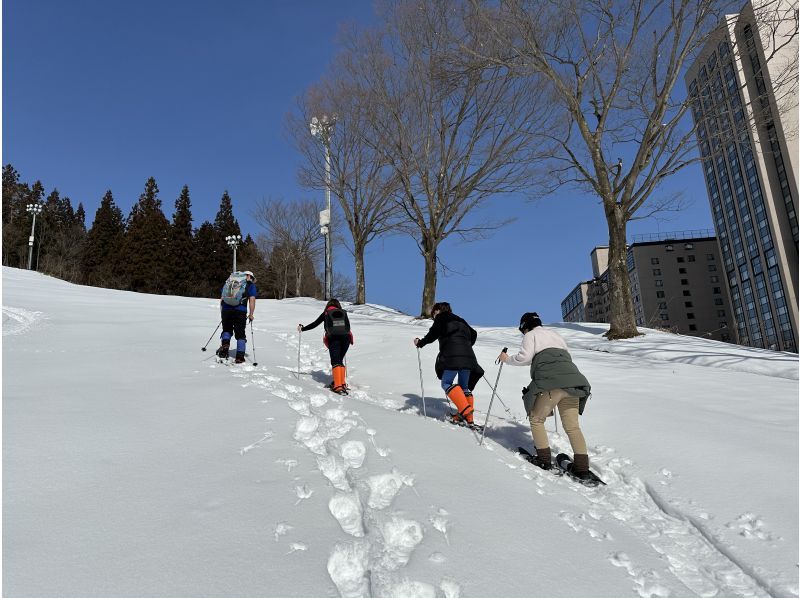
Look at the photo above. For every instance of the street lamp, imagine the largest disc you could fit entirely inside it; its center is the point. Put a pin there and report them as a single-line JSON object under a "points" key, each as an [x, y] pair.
{"points": [[35, 209], [233, 242], [323, 128]]}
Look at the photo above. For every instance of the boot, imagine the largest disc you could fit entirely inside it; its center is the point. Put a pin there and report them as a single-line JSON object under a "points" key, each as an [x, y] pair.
{"points": [[543, 458], [223, 349], [470, 400], [339, 374], [456, 394], [239, 357], [580, 467]]}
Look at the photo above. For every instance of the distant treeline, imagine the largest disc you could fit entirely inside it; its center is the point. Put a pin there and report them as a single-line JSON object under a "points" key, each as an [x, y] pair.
{"points": [[144, 252]]}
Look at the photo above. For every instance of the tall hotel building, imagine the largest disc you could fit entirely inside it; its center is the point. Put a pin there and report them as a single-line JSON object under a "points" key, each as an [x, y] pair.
{"points": [[747, 137]]}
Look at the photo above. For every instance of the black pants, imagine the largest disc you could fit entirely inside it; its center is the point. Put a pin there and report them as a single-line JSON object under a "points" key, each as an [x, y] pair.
{"points": [[338, 346], [234, 322]]}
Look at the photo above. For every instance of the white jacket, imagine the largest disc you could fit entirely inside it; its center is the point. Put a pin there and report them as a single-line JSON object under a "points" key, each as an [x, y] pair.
{"points": [[534, 341]]}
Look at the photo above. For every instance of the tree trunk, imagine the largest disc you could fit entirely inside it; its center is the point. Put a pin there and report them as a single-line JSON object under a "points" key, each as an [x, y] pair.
{"points": [[429, 290], [361, 290], [622, 320], [298, 283]]}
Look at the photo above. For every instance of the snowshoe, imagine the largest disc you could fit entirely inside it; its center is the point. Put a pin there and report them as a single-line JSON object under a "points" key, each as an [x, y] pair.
{"points": [[536, 460], [587, 478]]}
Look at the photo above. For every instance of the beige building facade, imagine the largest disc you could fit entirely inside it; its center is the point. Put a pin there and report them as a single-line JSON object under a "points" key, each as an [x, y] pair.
{"points": [[746, 116]]}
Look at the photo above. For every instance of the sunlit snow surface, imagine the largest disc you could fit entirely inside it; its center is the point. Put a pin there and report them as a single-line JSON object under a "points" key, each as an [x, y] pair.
{"points": [[136, 465]]}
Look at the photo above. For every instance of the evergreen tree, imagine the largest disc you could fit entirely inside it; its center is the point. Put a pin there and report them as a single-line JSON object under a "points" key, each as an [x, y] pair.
{"points": [[183, 266], [16, 224], [146, 243], [101, 252], [207, 248], [224, 224], [60, 239]]}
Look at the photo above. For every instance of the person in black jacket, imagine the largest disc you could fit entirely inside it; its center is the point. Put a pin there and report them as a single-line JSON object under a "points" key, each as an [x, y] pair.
{"points": [[456, 358], [337, 338]]}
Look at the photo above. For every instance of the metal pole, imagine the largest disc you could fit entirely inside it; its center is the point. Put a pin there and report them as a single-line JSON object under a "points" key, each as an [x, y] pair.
{"points": [[299, 341], [494, 391], [421, 385], [328, 257], [234, 259], [30, 242]]}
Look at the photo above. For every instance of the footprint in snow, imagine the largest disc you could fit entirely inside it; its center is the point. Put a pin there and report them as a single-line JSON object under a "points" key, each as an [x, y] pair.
{"points": [[751, 526], [647, 582], [384, 487], [353, 452], [578, 524], [347, 566], [440, 523], [408, 588], [400, 536], [346, 509], [334, 470]]}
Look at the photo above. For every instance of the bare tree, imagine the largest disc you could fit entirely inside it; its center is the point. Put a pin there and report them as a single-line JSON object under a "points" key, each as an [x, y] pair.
{"points": [[455, 130], [292, 236], [361, 180], [614, 67]]}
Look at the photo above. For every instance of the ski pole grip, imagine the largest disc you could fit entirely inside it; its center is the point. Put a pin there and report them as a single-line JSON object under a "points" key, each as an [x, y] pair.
{"points": [[505, 350]]}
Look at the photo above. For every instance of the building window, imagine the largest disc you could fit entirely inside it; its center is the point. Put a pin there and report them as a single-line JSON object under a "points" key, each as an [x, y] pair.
{"points": [[654, 260], [692, 327], [718, 301], [684, 281], [689, 246], [680, 260], [659, 283], [665, 317], [710, 257], [688, 304], [690, 258], [681, 270], [720, 313], [718, 290], [662, 305], [687, 293], [690, 316], [656, 271], [712, 268], [660, 294], [714, 278]]}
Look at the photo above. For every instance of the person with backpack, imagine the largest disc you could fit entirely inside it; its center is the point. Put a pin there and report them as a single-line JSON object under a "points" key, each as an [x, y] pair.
{"points": [[238, 295], [456, 359], [337, 338], [555, 380]]}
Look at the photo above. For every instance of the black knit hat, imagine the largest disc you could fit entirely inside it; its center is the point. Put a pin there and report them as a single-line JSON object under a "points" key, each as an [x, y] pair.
{"points": [[529, 321]]}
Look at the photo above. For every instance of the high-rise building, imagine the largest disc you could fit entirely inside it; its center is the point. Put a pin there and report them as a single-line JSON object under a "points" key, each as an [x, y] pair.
{"points": [[746, 119]]}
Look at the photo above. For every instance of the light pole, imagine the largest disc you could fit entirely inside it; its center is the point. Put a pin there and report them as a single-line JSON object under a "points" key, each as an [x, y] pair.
{"points": [[35, 209], [233, 242], [323, 128]]}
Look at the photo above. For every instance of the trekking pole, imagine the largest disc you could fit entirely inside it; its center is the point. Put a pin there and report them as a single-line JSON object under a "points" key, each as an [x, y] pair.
{"points": [[508, 411], [299, 340], [203, 348], [255, 363], [494, 392], [421, 385]]}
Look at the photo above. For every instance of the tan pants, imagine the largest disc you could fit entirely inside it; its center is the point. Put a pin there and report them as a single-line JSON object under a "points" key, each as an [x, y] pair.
{"points": [[568, 408]]}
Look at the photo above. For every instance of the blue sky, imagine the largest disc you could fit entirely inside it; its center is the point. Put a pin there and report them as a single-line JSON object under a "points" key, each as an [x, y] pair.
{"points": [[102, 95]]}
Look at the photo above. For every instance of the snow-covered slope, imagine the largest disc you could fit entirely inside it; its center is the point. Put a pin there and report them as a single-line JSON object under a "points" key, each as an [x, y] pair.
{"points": [[135, 465]]}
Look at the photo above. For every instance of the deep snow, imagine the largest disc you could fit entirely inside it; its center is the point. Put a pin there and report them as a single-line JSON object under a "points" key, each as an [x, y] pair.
{"points": [[135, 465]]}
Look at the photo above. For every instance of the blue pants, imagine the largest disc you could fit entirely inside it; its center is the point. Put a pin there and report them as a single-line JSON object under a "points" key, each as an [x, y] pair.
{"points": [[463, 379]]}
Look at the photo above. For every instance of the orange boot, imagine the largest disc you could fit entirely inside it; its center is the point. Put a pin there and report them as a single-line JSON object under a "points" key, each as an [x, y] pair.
{"points": [[471, 401], [456, 394], [339, 374]]}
